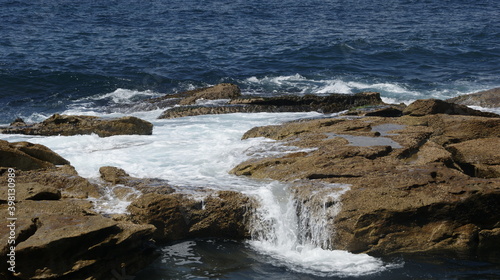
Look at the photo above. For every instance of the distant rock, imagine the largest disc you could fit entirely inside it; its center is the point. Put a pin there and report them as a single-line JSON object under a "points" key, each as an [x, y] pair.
{"points": [[325, 104], [64, 235], [488, 99], [220, 91], [435, 106], [75, 125]]}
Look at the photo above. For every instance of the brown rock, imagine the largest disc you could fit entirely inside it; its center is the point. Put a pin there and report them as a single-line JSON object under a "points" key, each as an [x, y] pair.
{"points": [[63, 240], [413, 198], [75, 125], [220, 91], [27, 156], [326, 104], [488, 98], [177, 217], [435, 106]]}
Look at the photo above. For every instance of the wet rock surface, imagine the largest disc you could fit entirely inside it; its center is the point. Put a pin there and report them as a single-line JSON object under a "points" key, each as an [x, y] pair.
{"points": [[77, 125], [488, 98], [193, 103], [58, 235], [438, 190]]}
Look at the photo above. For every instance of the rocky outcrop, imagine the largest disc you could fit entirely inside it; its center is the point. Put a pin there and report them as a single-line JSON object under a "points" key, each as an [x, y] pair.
{"points": [[488, 99], [220, 214], [435, 106], [52, 232], [28, 156], [417, 183], [220, 91], [76, 125], [325, 104]]}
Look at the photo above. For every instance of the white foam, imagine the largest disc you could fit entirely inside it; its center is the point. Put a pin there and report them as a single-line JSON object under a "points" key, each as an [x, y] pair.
{"points": [[122, 95], [299, 241]]}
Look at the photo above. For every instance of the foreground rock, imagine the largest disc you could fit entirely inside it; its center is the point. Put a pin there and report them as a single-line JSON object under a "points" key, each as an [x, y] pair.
{"points": [[220, 214], [56, 233], [28, 156], [488, 98], [76, 125], [417, 183]]}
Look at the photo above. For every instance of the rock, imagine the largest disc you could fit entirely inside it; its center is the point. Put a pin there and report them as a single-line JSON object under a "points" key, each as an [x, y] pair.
{"points": [[27, 156], [40, 152], [18, 122], [220, 91], [435, 106], [64, 235], [64, 179], [75, 246], [388, 112], [418, 197], [488, 99], [32, 191], [177, 216], [326, 104], [76, 125], [478, 157], [116, 175]]}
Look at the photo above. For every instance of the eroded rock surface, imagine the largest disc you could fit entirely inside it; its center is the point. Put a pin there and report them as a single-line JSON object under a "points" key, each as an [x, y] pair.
{"points": [[488, 98], [55, 231], [418, 183], [75, 125]]}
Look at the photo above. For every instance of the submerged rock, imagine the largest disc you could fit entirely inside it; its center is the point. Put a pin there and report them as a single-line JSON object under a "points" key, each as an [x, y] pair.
{"points": [[488, 98], [76, 125], [438, 190]]}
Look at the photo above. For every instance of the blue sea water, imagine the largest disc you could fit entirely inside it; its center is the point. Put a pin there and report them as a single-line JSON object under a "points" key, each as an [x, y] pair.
{"points": [[84, 56], [55, 52]]}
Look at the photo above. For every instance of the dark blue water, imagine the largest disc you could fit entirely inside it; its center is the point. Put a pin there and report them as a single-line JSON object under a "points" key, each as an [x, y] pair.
{"points": [[54, 52]]}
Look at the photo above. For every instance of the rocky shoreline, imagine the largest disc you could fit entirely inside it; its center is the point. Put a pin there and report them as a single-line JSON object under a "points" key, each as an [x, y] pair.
{"points": [[422, 178]]}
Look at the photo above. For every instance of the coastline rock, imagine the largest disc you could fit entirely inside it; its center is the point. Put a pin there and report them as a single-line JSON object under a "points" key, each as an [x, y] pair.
{"points": [[220, 91], [417, 196], [488, 99], [67, 244], [56, 226], [325, 104], [435, 106], [28, 156], [176, 216], [76, 125]]}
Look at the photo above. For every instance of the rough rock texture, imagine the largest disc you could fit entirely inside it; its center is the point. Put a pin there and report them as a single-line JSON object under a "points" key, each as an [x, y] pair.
{"points": [[435, 106], [114, 176], [178, 216], [28, 156], [417, 183], [75, 125], [326, 104], [488, 98], [220, 91], [56, 234]]}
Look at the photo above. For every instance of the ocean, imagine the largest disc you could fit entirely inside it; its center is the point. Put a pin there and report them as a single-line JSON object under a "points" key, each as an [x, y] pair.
{"points": [[99, 57]]}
